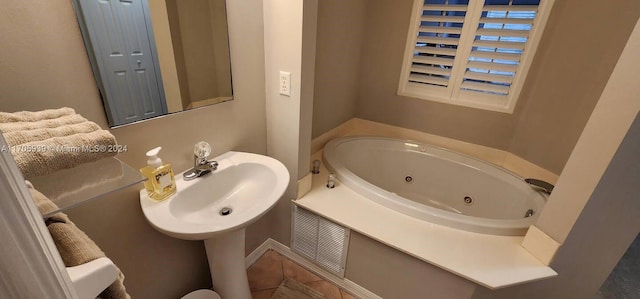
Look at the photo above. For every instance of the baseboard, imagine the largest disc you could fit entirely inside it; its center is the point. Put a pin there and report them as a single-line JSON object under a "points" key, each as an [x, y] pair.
{"points": [[257, 253], [342, 283]]}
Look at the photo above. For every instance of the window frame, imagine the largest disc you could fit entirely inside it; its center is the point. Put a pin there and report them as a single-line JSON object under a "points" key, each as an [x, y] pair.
{"points": [[453, 93]]}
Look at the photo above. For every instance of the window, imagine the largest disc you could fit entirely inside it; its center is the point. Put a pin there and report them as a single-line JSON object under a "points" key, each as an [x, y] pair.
{"points": [[472, 52]]}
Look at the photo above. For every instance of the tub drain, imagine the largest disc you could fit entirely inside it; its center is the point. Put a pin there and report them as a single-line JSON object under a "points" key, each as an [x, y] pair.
{"points": [[408, 179], [225, 211], [468, 200]]}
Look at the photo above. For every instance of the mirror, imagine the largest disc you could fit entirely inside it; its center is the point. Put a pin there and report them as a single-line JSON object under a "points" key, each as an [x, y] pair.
{"points": [[151, 58]]}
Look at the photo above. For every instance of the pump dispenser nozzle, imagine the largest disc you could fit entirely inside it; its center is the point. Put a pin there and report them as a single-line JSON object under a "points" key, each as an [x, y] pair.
{"points": [[152, 157]]}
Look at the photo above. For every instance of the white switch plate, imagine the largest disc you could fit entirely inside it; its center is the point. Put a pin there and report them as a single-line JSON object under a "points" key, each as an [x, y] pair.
{"points": [[285, 83]]}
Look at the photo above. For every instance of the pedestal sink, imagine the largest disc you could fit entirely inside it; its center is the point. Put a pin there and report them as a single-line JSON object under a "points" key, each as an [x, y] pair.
{"points": [[216, 208]]}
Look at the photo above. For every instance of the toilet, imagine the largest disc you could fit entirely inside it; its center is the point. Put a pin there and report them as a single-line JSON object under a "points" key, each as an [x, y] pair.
{"points": [[201, 294]]}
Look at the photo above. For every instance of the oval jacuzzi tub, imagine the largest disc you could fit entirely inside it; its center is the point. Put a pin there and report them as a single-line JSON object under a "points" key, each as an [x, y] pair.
{"points": [[435, 184]]}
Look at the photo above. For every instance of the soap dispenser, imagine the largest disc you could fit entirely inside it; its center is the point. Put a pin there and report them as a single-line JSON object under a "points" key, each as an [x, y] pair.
{"points": [[160, 182]]}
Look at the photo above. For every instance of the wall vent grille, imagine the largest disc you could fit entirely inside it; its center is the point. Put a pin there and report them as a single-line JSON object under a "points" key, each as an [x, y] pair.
{"points": [[320, 240]]}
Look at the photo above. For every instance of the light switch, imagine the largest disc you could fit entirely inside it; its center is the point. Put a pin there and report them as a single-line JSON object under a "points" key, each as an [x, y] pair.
{"points": [[285, 83]]}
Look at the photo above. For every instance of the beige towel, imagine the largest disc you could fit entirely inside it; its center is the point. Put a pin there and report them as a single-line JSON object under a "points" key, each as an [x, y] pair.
{"points": [[46, 141], [44, 205], [6, 117], [74, 246], [47, 156], [24, 136], [42, 124]]}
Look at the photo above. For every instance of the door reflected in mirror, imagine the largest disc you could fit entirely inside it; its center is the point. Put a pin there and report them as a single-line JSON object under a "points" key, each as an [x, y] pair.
{"points": [[151, 58]]}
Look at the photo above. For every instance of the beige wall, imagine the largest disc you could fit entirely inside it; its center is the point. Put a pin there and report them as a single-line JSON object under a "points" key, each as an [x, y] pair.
{"points": [[198, 46], [606, 227], [594, 209], [565, 81], [387, 24], [606, 128], [203, 37], [289, 117], [43, 64], [163, 36], [390, 273], [567, 77], [341, 28], [204, 44], [220, 36]]}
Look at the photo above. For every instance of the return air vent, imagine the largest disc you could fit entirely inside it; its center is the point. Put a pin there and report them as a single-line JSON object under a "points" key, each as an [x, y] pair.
{"points": [[320, 240]]}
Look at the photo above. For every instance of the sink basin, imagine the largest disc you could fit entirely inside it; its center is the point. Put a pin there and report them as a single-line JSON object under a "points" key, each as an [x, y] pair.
{"points": [[245, 185], [216, 208]]}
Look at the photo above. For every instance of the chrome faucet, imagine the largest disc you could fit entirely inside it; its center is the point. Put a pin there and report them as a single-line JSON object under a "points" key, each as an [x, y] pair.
{"points": [[201, 165], [540, 185]]}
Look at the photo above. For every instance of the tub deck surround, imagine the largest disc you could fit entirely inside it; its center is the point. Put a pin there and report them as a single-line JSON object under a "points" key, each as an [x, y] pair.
{"points": [[361, 127], [488, 260], [435, 184]]}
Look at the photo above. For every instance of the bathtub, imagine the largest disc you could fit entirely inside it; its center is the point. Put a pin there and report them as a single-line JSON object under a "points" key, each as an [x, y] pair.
{"points": [[435, 184]]}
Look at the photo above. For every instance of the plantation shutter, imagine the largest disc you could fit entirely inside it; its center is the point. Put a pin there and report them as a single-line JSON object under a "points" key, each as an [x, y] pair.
{"points": [[437, 40], [498, 44], [470, 52]]}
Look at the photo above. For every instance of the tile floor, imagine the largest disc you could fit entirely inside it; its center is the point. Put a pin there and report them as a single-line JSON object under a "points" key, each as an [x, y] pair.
{"points": [[266, 274]]}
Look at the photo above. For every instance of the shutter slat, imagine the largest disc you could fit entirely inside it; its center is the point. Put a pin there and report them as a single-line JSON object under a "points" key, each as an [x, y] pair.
{"points": [[433, 60], [434, 70], [506, 21], [452, 7], [496, 55], [493, 66], [485, 87], [499, 44], [488, 77], [502, 32], [510, 8], [438, 40], [429, 69], [436, 50], [434, 29], [429, 79], [442, 19]]}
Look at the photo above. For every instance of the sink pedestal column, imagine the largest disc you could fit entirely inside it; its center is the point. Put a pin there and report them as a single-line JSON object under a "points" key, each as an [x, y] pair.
{"points": [[226, 263]]}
